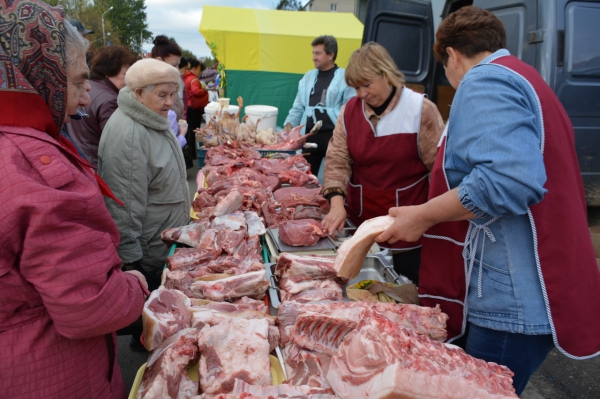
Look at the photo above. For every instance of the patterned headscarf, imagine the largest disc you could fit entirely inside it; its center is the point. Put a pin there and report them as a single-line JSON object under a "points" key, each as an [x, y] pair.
{"points": [[33, 61]]}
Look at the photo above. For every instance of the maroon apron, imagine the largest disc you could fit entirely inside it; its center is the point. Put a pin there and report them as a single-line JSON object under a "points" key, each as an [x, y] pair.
{"points": [[387, 171], [563, 250]]}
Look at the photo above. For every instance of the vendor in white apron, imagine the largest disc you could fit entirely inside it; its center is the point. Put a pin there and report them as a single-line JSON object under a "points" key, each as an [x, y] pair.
{"points": [[506, 249], [383, 147]]}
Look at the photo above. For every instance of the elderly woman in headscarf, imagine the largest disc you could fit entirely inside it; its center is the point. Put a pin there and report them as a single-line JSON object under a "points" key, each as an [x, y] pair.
{"points": [[141, 160], [62, 291]]}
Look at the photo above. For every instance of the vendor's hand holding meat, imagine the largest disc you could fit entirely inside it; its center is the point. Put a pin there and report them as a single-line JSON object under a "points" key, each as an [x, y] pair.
{"points": [[383, 147]]}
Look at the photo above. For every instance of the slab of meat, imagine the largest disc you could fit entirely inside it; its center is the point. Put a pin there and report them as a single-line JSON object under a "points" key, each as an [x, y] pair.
{"points": [[255, 225], [187, 387], [423, 320], [353, 251], [234, 349], [322, 290], [280, 391], [252, 284], [233, 221], [301, 233], [294, 196], [165, 313], [203, 200], [243, 303], [178, 280], [231, 202], [187, 257], [305, 367], [209, 241], [202, 316], [167, 364], [296, 284], [188, 235], [381, 359], [289, 265], [308, 212], [321, 333], [229, 240]]}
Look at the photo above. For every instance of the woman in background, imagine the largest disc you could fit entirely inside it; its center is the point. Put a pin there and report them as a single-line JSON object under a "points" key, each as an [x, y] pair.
{"points": [[109, 66], [169, 52], [197, 99]]}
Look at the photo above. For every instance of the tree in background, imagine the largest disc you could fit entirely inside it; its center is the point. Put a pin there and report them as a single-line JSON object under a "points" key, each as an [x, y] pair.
{"points": [[126, 22], [290, 5]]}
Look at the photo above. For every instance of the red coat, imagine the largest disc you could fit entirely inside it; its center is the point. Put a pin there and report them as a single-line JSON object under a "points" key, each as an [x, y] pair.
{"points": [[197, 95], [62, 294]]}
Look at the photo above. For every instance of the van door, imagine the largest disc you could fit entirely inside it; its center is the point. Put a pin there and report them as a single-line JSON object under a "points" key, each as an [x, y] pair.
{"points": [[520, 19], [405, 29], [578, 85]]}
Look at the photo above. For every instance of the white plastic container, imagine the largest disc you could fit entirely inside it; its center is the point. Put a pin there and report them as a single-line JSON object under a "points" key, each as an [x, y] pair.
{"points": [[264, 114], [214, 106]]}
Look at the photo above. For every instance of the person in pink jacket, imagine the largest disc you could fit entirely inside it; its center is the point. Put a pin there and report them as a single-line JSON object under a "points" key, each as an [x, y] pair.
{"points": [[62, 292]]}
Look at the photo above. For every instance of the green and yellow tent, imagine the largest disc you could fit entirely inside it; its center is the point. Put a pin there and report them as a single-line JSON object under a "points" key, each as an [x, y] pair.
{"points": [[266, 52]]}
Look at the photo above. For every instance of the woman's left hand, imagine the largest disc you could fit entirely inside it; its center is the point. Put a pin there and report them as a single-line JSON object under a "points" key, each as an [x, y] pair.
{"points": [[409, 225]]}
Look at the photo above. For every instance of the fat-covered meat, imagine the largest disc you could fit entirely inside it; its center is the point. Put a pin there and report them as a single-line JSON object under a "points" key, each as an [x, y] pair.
{"points": [[323, 290], [188, 235], [231, 202], [423, 320], [167, 364], [381, 359], [185, 258], [289, 265], [305, 367], [255, 225], [233, 221], [165, 313], [353, 251], [303, 232], [280, 391], [252, 284], [234, 349]]}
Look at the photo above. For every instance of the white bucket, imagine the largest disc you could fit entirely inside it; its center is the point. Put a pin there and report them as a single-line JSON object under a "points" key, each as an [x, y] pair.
{"points": [[266, 114], [213, 107]]}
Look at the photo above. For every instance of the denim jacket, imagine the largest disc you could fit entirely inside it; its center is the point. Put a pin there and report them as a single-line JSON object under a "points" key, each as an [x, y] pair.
{"points": [[338, 93], [493, 156]]}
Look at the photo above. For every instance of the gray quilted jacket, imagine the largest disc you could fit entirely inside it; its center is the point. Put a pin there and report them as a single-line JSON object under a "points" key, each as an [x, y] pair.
{"points": [[142, 162]]}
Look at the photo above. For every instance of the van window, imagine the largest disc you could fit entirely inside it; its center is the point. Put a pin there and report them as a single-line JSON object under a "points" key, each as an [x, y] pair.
{"points": [[513, 19], [581, 48]]}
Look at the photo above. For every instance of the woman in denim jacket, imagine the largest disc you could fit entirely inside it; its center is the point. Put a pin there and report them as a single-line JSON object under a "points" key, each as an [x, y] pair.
{"points": [[506, 250]]}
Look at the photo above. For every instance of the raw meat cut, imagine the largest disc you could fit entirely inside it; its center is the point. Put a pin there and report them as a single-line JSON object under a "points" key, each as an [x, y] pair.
{"points": [[301, 233], [321, 333], [234, 349], [233, 221], [381, 359], [203, 200], [209, 241], [187, 257], [231, 202], [229, 240], [308, 212], [255, 225], [279, 391], [165, 313], [423, 320], [304, 367], [326, 290], [289, 265], [178, 280], [295, 196], [187, 387], [295, 143], [252, 284], [188, 235], [166, 365], [296, 284], [353, 251]]}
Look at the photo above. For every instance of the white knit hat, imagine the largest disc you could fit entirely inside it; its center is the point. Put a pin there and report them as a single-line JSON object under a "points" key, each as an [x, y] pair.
{"points": [[149, 72]]}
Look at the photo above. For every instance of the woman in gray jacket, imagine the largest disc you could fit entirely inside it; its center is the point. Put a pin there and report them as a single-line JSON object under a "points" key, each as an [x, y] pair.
{"points": [[141, 160]]}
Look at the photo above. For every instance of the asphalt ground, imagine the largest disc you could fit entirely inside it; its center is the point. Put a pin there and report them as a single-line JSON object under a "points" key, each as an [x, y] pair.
{"points": [[559, 377]]}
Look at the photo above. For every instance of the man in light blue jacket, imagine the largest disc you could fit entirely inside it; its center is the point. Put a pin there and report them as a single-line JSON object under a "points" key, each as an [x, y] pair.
{"points": [[321, 94]]}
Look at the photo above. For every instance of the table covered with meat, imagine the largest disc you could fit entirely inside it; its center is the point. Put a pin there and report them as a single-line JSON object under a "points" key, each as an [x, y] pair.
{"points": [[212, 313]]}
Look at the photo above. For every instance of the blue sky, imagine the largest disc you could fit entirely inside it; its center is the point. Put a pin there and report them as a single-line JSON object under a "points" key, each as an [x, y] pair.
{"points": [[181, 19]]}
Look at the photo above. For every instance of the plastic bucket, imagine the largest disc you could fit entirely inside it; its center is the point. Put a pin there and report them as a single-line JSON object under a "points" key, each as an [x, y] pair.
{"points": [[214, 107], [264, 114]]}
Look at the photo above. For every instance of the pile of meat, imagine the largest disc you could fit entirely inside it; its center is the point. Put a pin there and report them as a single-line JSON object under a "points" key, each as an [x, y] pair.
{"points": [[225, 128], [307, 279]]}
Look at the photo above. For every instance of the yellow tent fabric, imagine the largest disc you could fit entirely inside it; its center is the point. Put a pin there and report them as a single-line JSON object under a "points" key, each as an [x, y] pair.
{"points": [[273, 40]]}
